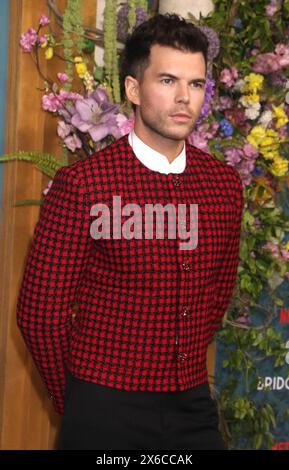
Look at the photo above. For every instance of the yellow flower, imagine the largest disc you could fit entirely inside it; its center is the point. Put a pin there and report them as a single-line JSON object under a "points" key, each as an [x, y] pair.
{"points": [[279, 167], [279, 113], [49, 53], [81, 69], [270, 144], [286, 245], [80, 66], [254, 82], [256, 135], [248, 100], [78, 59], [44, 44]]}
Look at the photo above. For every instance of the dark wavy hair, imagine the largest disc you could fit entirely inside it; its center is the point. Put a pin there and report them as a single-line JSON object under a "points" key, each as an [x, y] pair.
{"points": [[167, 30]]}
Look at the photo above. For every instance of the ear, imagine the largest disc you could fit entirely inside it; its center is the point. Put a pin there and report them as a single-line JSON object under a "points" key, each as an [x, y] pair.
{"points": [[132, 89]]}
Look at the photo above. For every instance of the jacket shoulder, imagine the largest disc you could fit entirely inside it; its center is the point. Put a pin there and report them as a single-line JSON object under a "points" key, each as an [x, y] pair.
{"points": [[211, 165]]}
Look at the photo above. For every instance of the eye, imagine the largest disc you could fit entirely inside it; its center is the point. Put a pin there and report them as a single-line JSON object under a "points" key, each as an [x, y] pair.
{"points": [[199, 84], [169, 79]]}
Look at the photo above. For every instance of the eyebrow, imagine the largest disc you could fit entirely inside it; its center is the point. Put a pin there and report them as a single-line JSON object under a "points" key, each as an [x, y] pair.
{"points": [[203, 80]]}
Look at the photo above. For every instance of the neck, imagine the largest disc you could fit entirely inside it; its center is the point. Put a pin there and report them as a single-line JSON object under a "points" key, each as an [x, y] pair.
{"points": [[168, 147]]}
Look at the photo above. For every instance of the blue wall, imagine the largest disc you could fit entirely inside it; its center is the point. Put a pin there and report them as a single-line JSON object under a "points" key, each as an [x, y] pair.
{"points": [[4, 25]]}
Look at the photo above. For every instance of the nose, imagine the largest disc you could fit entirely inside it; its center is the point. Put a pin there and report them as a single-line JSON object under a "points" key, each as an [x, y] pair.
{"points": [[182, 93]]}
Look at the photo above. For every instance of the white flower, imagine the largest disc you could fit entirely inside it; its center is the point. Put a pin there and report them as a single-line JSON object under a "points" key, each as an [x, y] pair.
{"points": [[252, 113], [239, 85], [265, 118]]}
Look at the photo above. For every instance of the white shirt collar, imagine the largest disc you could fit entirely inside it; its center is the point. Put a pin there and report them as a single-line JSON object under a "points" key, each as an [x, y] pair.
{"points": [[154, 160]]}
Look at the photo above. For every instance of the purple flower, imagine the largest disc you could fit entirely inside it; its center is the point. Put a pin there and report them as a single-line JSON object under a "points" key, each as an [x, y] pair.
{"points": [[224, 102], [243, 320], [213, 39], [44, 20], [209, 93], [67, 112], [258, 170], [97, 116], [122, 20], [28, 39]]}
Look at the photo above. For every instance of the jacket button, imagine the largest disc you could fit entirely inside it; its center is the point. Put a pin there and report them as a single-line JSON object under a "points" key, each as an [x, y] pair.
{"points": [[185, 312], [186, 266], [176, 180], [183, 356]]}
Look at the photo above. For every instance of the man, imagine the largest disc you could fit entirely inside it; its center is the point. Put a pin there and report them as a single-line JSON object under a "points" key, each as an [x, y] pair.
{"points": [[129, 371]]}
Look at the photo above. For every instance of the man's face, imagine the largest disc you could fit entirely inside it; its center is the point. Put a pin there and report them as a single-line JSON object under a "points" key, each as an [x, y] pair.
{"points": [[174, 82]]}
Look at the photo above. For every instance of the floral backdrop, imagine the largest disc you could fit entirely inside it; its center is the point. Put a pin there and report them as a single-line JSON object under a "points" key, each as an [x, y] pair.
{"points": [[245, 122]]}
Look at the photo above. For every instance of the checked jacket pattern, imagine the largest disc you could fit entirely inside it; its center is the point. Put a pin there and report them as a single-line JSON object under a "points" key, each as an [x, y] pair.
{"points": [[139, 313]]}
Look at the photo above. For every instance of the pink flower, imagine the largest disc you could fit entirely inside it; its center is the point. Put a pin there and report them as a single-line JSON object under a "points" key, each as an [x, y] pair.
{"points": [[51, 102], [271, 9], [44, 20], [69, 95], [282, 51], [45, 191], [284, 254], [233, 155], [63, 77], [28, 39], [250, 151], [125, 124], [266, 63], [54, 102], [63, 129], [228, 76], [42, 39], [73, 142], [273, 248], [198, 139]]}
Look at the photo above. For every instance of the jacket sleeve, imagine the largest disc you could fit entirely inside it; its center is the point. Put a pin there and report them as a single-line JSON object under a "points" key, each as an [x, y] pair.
{"points": [[54, 265], [227, 274]]}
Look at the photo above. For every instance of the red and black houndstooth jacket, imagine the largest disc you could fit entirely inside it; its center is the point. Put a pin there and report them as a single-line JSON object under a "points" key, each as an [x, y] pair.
{"points": [[146, 308]]}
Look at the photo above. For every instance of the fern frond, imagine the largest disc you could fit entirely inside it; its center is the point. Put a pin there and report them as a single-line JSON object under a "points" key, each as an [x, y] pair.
{"points": [[45, 162]]}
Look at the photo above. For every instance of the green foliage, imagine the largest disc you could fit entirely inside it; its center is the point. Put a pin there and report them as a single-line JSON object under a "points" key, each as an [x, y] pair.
{"points": [[45, 162], [241, 26], [73, 36]]}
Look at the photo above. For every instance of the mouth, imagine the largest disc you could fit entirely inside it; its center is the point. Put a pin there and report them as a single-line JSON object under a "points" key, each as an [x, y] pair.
{"points": [[181, 117]]}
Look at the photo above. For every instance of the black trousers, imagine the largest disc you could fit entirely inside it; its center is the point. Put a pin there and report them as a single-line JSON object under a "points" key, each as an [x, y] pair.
{"points": [[97, 417]]}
